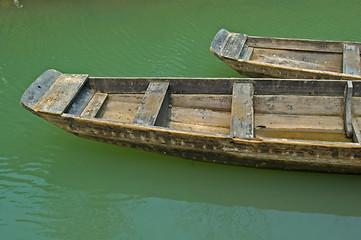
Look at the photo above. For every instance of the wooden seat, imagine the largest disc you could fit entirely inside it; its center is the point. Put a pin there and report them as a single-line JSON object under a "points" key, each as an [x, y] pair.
{"points": [[351, 125], [242, 113], [94, 105], [234, 45], [156, 97], [351, 59], [61, 93]]}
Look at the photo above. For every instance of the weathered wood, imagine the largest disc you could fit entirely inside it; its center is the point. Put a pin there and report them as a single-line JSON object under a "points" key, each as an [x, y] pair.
{"points": [[356, 131], [118, 111], [348, 105], [351, 59], [201, 117], [298, 44], [215, 102], [283, 121], [94, 105], [198, 128], [304, 134], [202, 133], [233, 46], [219, 41], [151, 104], [266, 70], [299, 59], [61, 93], [126, 97], [299, 105], [356, 103], [281, 104], [80, 102], [248, 54], [38, 88], [224, 86], [242, 115], [294, 58], [273, 153]]}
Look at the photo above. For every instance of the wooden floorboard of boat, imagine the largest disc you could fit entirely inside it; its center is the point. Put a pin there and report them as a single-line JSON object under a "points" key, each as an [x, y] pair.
{"points": [[272, 104], [299, 105], [118, 111], [315, 122], [215, 102], [201, 117], [299, 59]]}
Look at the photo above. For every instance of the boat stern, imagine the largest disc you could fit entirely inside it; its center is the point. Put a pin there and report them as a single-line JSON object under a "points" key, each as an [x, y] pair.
{"points": [[38, 88], [52, 92]]}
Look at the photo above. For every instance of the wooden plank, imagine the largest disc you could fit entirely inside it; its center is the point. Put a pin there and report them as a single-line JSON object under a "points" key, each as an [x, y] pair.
{"points": [[218, 41], [302, 134], [356, 103], [351, 59], [80, 101], [203, 117], [152, 102], [298, 44], [61, 93], [39, 87], [283, 121], [281, 104], [348, 108], [94, 105], [198, 128], [248, 54], [215, 102], [126, 97], [242, 113], [299, 105], [224, 86], [356, 131], [233, 46], [299, 59], [118, 111]]}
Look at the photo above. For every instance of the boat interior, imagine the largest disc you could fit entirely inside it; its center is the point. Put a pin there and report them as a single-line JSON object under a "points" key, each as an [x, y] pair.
{"points": [[306, 54], [314, 110]]}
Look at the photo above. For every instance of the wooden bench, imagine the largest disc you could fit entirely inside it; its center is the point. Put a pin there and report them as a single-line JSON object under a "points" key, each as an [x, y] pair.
{"points": [[242, 113], [61, 93], [155, 98]]}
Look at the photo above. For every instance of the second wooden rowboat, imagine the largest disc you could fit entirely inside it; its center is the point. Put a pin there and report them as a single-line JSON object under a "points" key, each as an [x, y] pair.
{"points": [[303, 125], [287, 58]]}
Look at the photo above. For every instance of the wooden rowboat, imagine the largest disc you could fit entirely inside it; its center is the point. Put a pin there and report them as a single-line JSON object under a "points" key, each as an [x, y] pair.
{"points": [[287, 58], [305, 125]]}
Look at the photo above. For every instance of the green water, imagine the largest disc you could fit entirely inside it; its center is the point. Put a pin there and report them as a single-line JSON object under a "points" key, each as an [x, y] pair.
{"points": [[54, 185]]}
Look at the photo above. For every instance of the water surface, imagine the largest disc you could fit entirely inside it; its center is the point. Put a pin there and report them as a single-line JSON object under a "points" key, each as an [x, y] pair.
{"points": [[54, 185]]}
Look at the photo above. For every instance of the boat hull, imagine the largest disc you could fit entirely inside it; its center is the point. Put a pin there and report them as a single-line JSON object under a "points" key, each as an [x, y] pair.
{"points": [[257, 153]]}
